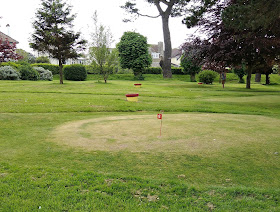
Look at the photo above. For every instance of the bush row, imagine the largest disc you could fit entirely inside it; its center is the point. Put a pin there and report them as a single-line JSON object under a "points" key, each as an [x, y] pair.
{"points": [[25, 72]]}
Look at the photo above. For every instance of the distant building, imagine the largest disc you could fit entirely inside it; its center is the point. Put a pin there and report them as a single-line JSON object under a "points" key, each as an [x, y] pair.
{"points": [[4, 37], [54, 61], [176, 57], [157, 53]]}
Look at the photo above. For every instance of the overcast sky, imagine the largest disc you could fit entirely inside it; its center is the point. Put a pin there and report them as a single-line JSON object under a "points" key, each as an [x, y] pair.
{"points": [[19, 14]]}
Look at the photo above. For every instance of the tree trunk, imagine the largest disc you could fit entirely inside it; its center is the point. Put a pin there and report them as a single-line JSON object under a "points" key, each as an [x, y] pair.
{"points": [[267, 80], [166, 69], [258, 77], [60, 71], [193, 78], [249, 74]]}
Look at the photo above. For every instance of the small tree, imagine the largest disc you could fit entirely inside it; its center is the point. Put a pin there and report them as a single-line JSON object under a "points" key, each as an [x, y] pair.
{"points": [[53, 32], [101, 55], [189, 67], [8, 51], [240, 72], [133, 52], [193, 57]]}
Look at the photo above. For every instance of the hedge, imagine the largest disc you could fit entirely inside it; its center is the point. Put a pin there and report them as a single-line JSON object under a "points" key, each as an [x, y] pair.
{"points": [[152, 70], [76, 72], [53, 68], [177, 70]]}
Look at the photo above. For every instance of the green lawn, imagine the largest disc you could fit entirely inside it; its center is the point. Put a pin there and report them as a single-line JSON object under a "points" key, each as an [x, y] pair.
{"points": [[82, 146]]}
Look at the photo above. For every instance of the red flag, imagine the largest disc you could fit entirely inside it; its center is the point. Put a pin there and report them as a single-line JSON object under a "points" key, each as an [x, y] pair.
{"points": [[159, 116]]}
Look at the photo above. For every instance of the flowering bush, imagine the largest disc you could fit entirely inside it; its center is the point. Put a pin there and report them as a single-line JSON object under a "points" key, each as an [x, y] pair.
{"points": [[8, 73], [44, 74]]}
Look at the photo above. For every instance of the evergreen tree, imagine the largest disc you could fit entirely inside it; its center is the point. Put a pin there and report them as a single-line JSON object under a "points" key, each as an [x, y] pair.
{"points": [[53, 32]]}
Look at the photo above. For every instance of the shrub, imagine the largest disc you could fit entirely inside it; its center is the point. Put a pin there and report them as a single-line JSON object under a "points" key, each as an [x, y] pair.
{"points": [[177, 70], [152, 70], [8, 73], [53, 68], [207, 76], [240, 72], [42, 59], [43, 73], [76, 72], [28, 73]]}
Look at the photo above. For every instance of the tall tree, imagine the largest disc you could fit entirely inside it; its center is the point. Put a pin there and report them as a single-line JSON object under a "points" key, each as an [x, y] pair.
{"points": [[133, 53], [191, 10], [8, 51], [54, 32], [100, 53]]}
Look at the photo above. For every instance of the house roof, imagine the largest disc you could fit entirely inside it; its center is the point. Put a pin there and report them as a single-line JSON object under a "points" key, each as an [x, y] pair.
{"points": [[154, 47], [3, 36], [176, 52]]}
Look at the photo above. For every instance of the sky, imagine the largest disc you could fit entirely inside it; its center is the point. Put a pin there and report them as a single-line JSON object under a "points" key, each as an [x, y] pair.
{"points": [[20, 14]]}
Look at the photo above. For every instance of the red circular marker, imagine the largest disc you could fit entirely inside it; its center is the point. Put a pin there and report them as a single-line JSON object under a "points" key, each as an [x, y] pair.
{"points": [[132, 95]]}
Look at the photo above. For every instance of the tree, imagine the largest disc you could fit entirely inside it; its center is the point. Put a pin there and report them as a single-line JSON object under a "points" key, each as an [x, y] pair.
{"points": [[243, 42], [100, 52], [133, 53], [53, 32], [193, 57], [26, 56], [8, 51], [191, 11]]}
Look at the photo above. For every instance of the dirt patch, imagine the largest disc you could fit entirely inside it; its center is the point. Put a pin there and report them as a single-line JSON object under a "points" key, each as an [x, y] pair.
{"points": [[181, 132]]}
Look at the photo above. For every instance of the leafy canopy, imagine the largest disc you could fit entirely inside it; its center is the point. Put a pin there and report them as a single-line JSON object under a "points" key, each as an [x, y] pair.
{"points": [[133, 52]]}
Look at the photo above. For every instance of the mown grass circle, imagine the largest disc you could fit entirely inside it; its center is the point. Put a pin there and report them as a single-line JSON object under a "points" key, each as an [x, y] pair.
{"points": [[185, 132]]}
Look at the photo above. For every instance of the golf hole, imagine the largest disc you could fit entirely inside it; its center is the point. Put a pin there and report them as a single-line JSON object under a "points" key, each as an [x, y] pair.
{"points": [[187, 132]]}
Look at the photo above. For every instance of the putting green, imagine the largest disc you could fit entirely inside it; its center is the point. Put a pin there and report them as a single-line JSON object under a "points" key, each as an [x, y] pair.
{"points": [[186, 132]]}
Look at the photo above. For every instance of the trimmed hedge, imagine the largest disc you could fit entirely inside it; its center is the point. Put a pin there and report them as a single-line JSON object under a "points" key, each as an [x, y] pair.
{"points": [[76, 72], [53, 68], [152, 70], [177, 70], [12, 64]]}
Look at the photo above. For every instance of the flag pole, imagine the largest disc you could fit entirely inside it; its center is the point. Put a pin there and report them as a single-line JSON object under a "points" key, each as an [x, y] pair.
{"points": [[161, 122]]}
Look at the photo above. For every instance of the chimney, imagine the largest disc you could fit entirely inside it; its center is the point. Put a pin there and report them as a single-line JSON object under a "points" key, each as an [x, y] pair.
{"points": [[8, 29], [160, 48]]}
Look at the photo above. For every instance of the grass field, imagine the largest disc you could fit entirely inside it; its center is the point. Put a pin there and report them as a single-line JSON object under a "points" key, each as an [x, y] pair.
{"points": [[81, 146]]}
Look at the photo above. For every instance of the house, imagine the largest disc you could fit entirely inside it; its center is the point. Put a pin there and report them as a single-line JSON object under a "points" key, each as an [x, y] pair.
{"points": [[4, 37], [157, 53], [176, 57], [54, 61]]}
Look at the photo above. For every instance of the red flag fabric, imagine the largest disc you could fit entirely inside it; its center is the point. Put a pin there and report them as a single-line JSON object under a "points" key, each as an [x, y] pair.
{"points": [[159, 116]]}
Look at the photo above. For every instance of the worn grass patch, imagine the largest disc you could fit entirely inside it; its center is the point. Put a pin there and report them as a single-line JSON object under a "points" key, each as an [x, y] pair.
{"points": [[180, 133]]}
